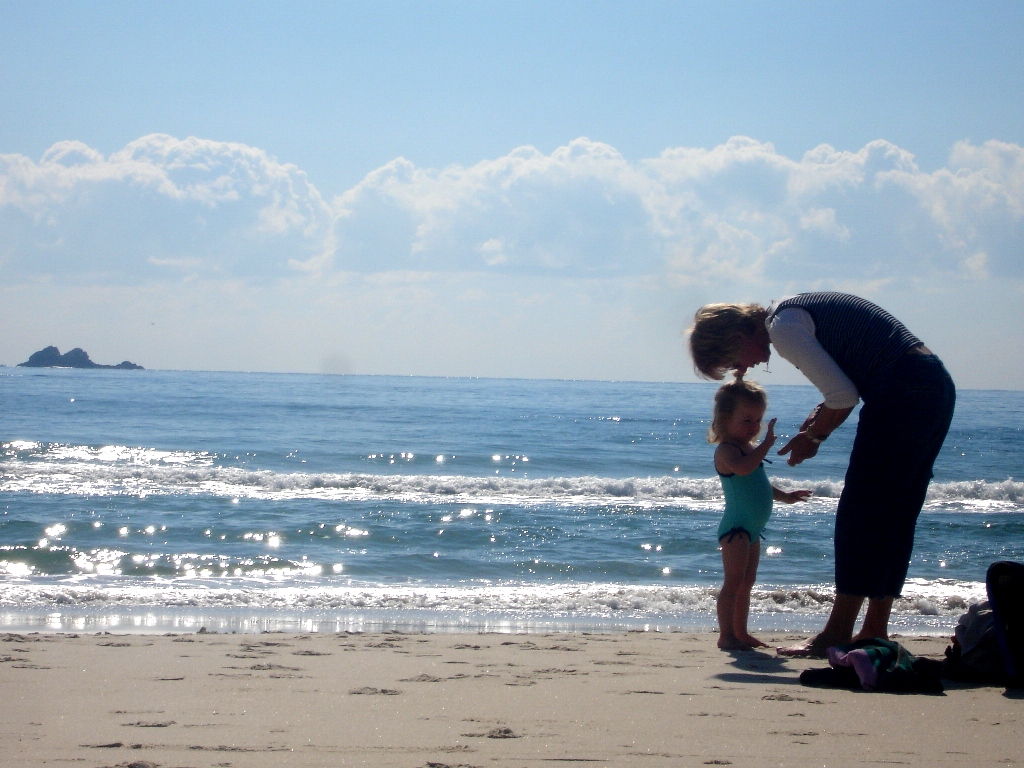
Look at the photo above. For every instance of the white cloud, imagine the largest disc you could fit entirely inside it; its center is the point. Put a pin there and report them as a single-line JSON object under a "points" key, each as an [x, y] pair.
{"points": [[739, 210], [578, 211], [742, 209], [163, 207], [977, 205], [578, 263], [156, 209]]}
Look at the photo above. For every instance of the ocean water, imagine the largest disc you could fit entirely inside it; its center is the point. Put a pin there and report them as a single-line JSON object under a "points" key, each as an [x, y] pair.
{"points": [[159, 501]]}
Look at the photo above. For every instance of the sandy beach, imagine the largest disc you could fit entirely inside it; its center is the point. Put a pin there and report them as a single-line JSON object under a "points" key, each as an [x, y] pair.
{"points": [[413, 700]]}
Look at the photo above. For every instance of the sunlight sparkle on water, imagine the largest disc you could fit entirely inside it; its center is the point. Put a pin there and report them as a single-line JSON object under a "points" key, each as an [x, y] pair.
{"points": [[18, 570]]}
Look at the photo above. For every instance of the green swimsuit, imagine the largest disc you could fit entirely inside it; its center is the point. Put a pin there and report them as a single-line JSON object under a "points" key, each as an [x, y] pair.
{"points": [[748, 504]]}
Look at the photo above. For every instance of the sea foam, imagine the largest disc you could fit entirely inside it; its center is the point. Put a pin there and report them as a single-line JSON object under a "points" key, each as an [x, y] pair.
{"points": [[921, 597], [126, 471]]}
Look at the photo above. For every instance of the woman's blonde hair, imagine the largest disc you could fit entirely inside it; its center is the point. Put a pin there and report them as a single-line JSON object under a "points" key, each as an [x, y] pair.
{"points": [[728, 397], [717, 335]]}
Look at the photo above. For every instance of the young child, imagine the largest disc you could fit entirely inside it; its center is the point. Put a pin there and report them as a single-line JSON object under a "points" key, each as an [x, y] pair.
{"points": [[739, 408]]}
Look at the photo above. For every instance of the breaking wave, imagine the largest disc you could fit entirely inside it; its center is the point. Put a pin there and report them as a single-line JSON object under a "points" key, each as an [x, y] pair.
{"points": [[122, 471]]}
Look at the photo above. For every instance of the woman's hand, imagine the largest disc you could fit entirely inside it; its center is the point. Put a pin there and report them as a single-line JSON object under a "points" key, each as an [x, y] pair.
{"points": [[800, 448], [816, 427]]}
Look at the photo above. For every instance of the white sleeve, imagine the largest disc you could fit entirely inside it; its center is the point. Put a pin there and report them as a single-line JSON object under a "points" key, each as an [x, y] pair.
{"points": [[792, 334]]}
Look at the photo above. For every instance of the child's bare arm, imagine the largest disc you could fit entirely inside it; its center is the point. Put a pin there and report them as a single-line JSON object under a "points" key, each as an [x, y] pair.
{"points": [[732, 460], [790, 497]]}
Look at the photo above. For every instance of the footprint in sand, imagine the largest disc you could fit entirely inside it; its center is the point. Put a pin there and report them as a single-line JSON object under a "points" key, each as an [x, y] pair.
{"points": [[501, 732], [269, 667], [149, 724], [787, 697]]}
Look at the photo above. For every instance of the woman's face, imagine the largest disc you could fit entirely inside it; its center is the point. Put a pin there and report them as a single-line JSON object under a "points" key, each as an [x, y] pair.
{"points": [[752, 352]]}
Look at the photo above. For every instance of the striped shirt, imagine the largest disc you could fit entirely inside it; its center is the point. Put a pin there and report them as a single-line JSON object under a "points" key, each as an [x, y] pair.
{"points": [[862, 338]]}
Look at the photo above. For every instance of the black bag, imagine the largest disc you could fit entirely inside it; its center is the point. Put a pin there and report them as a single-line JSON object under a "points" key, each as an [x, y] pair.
{"points": [[1005, 584], [988, 646], [975, 656]]}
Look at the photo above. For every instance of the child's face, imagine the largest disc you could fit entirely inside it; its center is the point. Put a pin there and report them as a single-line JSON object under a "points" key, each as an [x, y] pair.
{"points": [[745, 423]]}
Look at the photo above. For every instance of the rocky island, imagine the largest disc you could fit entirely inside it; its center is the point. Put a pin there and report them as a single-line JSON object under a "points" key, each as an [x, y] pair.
{"points": [[76, 358]]}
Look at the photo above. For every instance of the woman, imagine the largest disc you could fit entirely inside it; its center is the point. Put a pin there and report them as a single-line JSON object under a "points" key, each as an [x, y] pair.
{"points": [[851, 350]]}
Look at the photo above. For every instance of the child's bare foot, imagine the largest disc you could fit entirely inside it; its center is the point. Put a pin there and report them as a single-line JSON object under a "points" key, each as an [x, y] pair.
{"points": [[754, 642], [732, 644]]}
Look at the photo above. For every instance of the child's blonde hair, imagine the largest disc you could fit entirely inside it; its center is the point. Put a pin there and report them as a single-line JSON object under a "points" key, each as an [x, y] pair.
{"points": [[730, 395]]}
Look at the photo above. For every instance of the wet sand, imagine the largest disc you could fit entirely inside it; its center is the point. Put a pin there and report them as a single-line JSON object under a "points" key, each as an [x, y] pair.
{"points": [[515, 701]]}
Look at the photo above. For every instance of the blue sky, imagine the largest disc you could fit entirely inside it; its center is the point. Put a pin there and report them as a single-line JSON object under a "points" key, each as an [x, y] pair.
{"points": [[512, 189]]}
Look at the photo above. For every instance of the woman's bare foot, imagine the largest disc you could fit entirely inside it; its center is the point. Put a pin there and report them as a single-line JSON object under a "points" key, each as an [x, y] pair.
{"points": [[815, 648], [754, 642], [861, 636], [732, 644]]}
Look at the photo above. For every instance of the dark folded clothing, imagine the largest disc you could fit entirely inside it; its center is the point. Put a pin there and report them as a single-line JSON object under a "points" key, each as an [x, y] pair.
{"points": [[830, 677], [876, 665]]}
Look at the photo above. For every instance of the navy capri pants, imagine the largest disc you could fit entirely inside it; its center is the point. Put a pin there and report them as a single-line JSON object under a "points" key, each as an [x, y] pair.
{"points": [[903, 422]]}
